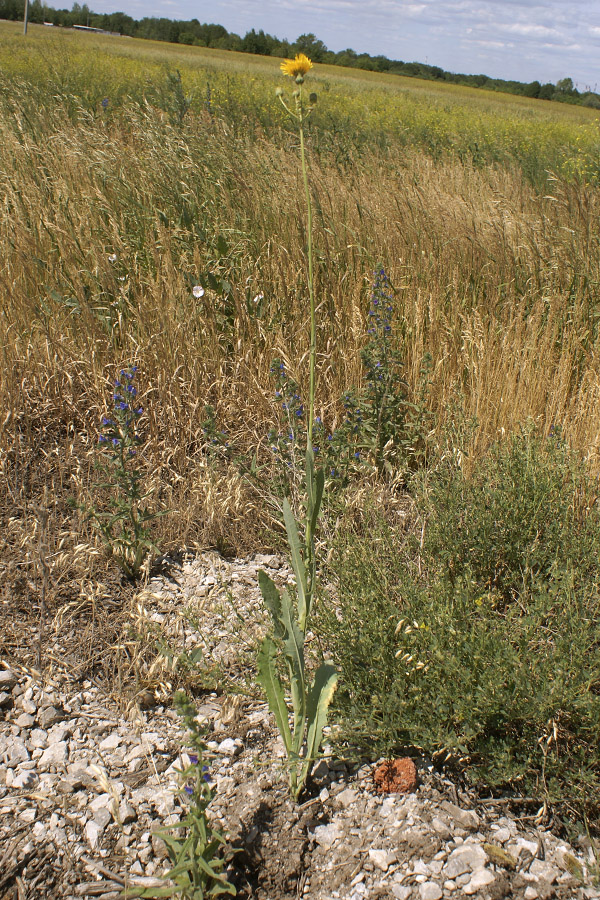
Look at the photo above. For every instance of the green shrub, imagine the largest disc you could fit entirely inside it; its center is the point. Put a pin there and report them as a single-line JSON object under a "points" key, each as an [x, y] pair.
{"points": [[527, 510], [493, 661]]}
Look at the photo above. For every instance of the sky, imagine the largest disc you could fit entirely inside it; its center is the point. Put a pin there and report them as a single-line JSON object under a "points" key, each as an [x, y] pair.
{"points": [[524, 40]]}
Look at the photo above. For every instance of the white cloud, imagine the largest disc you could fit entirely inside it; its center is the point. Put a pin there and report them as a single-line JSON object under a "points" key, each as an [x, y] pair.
{"points": [[531, 30], [497, 45], [524, 39]]}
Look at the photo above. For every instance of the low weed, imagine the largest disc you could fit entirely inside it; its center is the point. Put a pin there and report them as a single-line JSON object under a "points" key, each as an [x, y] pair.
{"points": [[383, 430], [481, 646], [122, 520], [526, 513], [195, 848]]}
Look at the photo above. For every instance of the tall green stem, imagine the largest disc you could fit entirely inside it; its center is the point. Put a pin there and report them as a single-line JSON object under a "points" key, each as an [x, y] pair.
{"points": [[311, 292]]}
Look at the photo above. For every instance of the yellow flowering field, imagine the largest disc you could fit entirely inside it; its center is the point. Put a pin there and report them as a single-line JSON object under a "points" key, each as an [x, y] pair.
{"points": [[358, 107]]}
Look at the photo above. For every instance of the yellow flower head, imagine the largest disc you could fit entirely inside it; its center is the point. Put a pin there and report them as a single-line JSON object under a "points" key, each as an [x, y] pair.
{"points": [[296, 67]]}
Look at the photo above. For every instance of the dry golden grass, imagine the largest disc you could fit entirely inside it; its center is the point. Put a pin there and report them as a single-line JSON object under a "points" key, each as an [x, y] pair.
{"points": [[495, 280]]}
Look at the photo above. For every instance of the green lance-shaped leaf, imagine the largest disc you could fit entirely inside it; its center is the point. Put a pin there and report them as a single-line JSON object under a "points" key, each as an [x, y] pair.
{"points": [[272, 599], [318, 496], [315, 484], [319, 698], [268, 678], [310, 476], [293, 647], [297, 561], [151, 893], [224, 888], [208, 869]]}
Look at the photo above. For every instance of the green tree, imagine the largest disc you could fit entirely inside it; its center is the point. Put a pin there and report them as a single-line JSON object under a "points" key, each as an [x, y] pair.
{"points": [[311, 46], [532, 89], [565, 86], [36, 12], [257, 42], [119, 22], [11, 9]]}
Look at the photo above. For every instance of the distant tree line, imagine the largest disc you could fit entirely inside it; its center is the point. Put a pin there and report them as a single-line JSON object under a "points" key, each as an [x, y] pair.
{"points": [[194, 33]]}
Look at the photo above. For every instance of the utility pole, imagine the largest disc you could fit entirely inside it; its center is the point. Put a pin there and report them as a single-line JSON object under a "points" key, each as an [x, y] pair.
{"points": [[25, 17]]}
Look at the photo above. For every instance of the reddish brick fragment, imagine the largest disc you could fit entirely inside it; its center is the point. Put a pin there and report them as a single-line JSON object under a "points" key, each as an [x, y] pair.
{"points": [[396, 776]]}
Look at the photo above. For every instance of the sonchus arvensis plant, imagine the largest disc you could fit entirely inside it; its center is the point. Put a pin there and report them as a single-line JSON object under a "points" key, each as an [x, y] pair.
{"points": [[291, 610]]}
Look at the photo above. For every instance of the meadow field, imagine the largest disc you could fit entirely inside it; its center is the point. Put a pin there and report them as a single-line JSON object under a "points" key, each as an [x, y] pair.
{"points": [[133, 172]]}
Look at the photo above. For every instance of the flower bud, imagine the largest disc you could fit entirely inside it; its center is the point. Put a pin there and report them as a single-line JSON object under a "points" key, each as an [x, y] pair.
{"points": [[278, 92], [312, 98], [299, 79]]}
